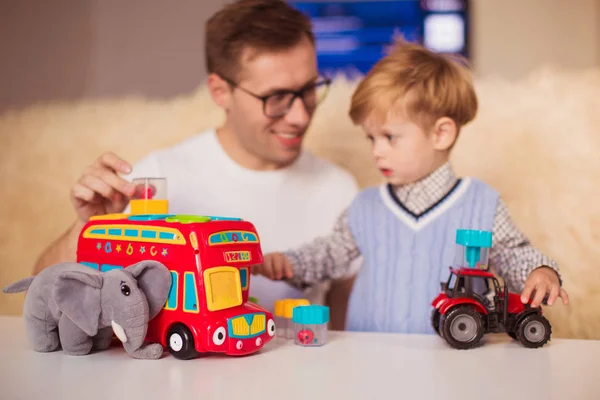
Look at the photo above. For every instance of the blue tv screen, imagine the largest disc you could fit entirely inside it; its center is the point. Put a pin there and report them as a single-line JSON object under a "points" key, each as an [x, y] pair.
{"points": [[352, 35]]}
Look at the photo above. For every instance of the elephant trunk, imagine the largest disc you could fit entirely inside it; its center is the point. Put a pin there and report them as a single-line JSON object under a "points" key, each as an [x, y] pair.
{"points": [[132, 334]]}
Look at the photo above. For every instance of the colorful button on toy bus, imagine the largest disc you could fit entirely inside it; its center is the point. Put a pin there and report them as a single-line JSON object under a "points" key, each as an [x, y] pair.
{"points": [[209, 258]]}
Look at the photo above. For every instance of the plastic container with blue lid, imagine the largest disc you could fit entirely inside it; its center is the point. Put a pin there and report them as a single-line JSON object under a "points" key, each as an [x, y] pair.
{"points": [[473, 248], [310, 325]]}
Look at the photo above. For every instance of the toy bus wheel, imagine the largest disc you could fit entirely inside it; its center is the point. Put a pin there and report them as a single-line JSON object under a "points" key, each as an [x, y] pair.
{"points": [[435, 320], [534, 331], [180, 342], [462, 327]]}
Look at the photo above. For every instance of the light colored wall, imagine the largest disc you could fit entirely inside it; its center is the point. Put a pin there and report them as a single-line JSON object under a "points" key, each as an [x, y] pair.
{"points": [[513, 37], [597, 34], [68, 49]]}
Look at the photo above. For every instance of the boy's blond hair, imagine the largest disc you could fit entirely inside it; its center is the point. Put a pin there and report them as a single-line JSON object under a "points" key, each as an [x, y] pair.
{"points": [[426, 85]]}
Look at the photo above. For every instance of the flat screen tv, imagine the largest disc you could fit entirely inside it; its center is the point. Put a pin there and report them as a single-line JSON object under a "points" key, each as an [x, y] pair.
{"points": [[352, 35]]}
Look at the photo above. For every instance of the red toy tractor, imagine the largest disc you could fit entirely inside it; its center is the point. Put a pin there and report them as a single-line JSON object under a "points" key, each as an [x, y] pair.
{"points": [[472, 303]]}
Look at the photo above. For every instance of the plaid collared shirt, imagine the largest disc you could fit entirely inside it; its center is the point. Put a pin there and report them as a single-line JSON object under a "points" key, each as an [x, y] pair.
{"points": [[512, 256]]}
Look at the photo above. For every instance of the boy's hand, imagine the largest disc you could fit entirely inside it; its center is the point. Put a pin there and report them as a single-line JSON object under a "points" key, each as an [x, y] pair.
{"points": [[543, 281], [275, 266]]}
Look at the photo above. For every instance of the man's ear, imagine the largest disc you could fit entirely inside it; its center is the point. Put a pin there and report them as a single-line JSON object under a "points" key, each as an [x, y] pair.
{"points": [[220, 90], [444, 133]]}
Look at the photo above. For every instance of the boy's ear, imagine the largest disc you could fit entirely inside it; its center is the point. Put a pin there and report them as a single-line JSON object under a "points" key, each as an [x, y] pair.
{"points": [[444, 133], [219, 90]]}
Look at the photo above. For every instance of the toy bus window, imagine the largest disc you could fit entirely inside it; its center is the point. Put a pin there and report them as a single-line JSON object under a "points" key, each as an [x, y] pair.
{"points": [[131, 233], [223, 288], [89, 264], [115, 232], [229, 237], [244, 278], [190, 293], [149, 234], [108, 267], [172, 299], [166, 235], [98, 231]]}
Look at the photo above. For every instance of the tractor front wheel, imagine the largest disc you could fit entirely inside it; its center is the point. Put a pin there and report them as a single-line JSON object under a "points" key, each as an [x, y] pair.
{"points": [[462, 327], [534, 331]]}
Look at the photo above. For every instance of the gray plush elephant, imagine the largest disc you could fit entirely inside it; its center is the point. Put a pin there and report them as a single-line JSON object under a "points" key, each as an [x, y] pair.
{"points": [[78, 308]]}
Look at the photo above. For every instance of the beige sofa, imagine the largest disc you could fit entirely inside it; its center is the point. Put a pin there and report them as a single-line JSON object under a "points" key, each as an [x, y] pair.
{"points": [[536, 141]]}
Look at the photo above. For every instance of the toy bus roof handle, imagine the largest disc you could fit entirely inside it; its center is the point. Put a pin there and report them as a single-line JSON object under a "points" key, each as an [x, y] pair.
{"points": [[474, 241]]}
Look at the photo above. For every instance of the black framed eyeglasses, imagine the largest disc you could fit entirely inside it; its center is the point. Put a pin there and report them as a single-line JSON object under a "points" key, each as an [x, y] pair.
{"points": [[279, 103]]}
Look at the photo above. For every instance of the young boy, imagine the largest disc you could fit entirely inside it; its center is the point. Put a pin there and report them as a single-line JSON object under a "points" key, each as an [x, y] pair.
{"points": [[412, 105]]}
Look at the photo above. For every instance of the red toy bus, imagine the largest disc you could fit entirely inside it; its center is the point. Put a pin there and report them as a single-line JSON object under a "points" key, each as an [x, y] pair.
{"points": [[209, 258]]}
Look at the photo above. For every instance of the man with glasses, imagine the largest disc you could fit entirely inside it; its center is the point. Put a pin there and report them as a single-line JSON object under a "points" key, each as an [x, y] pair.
{"points": [[263, 73]]}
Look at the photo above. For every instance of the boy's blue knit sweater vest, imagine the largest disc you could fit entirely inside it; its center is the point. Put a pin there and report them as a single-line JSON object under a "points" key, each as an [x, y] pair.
{"points": [[406, 256]]}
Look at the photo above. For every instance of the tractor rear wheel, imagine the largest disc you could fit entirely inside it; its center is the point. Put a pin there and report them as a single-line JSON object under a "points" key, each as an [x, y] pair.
{"points": [[435, 320], [462, 327], [534, 331]]}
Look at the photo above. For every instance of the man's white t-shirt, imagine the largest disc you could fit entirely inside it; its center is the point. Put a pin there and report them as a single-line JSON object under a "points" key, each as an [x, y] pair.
{"points": [[288, 207]]}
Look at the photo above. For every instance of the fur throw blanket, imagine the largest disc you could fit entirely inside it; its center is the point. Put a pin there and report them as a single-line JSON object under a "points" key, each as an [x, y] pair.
{"points": [[536, 141]]}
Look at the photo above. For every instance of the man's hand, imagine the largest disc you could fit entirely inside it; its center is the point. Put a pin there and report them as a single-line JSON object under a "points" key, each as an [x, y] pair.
{"points": [[544, 281], [275, 266], [100, 190]]}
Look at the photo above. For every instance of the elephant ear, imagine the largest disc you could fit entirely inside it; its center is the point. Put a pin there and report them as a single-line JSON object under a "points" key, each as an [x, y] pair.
{"points": [[154, 279], [77, 295]]}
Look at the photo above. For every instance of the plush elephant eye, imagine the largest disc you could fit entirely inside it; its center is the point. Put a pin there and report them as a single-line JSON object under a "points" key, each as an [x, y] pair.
{"points": [[125, 290]]}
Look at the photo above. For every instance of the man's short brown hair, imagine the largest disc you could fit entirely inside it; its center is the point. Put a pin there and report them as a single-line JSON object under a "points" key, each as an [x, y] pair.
{"points": [[425, 84], [260, 25]]}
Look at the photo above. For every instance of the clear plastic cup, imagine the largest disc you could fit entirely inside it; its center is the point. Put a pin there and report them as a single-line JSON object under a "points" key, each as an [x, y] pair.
{"points": [[288, 309], [280, 322], [150, 196], [310, 325]]}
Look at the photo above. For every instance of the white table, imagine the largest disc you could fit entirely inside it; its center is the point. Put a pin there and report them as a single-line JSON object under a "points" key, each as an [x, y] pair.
{"points": [[350, 366]]}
